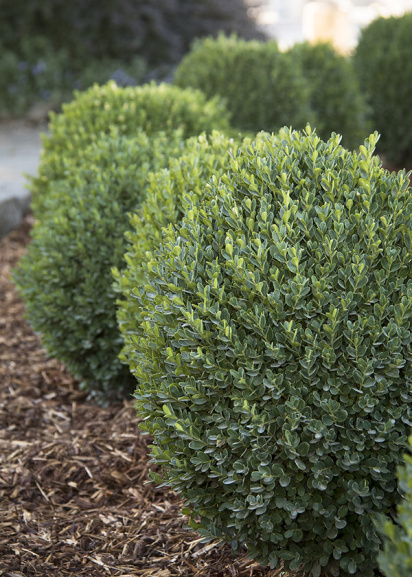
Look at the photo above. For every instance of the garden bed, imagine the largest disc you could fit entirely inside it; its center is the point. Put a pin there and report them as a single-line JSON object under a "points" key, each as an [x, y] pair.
{"points": [[73, 496]]}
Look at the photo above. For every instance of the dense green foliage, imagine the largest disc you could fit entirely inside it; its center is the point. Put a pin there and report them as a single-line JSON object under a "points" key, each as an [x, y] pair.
{"points": [[203, 158], [38, 73], [335, 96], [273, 361], [396, 559], [158, 30], [65, 278], [103, 109], [263, 87], [384, 65]]}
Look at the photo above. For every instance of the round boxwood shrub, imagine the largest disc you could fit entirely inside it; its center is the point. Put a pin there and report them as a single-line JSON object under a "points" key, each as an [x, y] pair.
{"points": [[103, 109], [273, 362], [335, 95], [384, 66], [263, 88], [396, 558], [65, 278], [203, 158]]}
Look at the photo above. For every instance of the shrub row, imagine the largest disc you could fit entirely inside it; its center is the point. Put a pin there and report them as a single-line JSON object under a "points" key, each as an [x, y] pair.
{"points": [[264, 306], [266, 89]]}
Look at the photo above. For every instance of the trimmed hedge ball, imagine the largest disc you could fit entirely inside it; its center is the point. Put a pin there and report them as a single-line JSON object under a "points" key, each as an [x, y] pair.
{"points": [[384, 66], [263, 87], [122, 112], [65, 277], [274, 368], [335, 95]]}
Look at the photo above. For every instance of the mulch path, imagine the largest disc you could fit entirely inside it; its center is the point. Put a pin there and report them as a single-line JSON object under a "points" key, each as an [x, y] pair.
{"points": [[73, 498]]}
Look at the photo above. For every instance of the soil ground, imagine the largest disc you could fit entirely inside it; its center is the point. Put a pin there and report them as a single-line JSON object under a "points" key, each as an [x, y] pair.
{"points": [[73, 498]]}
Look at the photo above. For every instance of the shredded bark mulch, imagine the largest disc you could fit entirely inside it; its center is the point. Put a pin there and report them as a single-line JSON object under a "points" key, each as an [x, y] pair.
{"points": [[73, 498]]}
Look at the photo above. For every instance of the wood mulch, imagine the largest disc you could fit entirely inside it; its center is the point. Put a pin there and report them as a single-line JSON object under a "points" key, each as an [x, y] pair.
{"points": [[73, 498]]}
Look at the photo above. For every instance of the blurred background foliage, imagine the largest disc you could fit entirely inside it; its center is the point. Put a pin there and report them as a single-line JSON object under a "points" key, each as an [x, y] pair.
{"points": [[48, 48], [384, 67], [158, 30], [51, 48]]}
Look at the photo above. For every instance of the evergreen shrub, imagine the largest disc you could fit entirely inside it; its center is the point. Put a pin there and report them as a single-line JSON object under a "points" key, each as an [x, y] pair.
{"points": [[382, 60], [335, 95], [274, 364], [396, 559], [263, 88], [65, 277], [108, 108], [202, 158]]}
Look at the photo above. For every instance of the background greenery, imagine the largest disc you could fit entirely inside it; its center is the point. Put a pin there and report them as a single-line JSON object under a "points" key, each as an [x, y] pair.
{"points": [[263, 87], [158, 30], [48, 48], [336, 100], [384, 65]]}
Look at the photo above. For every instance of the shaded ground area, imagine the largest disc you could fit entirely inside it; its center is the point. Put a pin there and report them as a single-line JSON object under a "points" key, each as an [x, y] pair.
{"points": [[72, 494]]}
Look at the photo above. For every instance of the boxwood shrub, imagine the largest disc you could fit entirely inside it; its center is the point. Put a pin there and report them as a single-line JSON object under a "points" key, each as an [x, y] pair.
{"points": [[396, 559], [203, 158], [263, 87], [384, 67], [273, 361], [65, 278], [108, 108], [335, 95]]}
